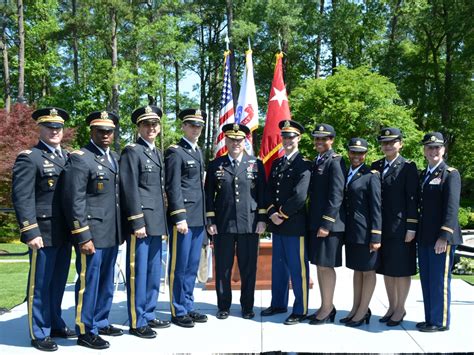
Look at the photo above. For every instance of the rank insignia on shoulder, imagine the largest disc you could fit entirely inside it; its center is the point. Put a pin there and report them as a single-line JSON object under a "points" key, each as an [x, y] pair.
{"points": [[174, 146], [132, 145], [26, 151], [375, 171], [78, 152], [336, 155], [450, 169]]}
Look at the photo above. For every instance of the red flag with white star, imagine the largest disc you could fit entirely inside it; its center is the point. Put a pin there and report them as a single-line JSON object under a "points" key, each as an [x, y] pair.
{"points": [[278, 110]]}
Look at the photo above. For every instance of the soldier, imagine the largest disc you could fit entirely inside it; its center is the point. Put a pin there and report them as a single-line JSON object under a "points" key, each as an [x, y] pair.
{"points": [[36, 198], [438, 233], [186, 217], [286, 194], [399, 222], [363, 230], [326, 218], [92, 211], [142, 191], [235, 186]]}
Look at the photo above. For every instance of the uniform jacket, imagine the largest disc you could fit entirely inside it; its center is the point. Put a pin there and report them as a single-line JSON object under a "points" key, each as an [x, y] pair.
{"points": [[235, 196], [326, 193], [287, 189], [184, 184], [439, 206], [142, 188], [363, 207], [399, 197], [92, 199], [36, 195]]}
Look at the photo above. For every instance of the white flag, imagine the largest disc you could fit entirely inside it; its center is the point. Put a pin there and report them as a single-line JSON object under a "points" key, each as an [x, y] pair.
{"points": [[247, 106]]}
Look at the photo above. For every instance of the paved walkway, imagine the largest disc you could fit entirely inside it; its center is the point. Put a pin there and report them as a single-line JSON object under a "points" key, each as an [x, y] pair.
{"points": [[269, 334]]}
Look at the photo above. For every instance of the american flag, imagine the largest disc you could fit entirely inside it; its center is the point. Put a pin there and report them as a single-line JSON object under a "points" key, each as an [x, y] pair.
{"points": [[226, 112]]}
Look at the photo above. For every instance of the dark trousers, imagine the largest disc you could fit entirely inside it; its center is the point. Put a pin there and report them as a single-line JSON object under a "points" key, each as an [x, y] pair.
{"points": [[94, 289], [49, 268], [435, 277], [183, 264], [289, 259], [246, 247], [143, 272]]}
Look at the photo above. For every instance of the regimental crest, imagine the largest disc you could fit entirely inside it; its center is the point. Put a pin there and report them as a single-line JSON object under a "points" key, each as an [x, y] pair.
{"points": [[358, 143], [433, 138], [104, 115], [387, 132], [53, 112], [198, 113], [321, 128], [148, 109], [287, 124], [235, 127]]}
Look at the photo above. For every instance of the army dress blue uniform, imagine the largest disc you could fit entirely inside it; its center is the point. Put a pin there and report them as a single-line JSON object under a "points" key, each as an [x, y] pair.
{"points": [[142, 196], [325, 209], [186, 202], [36, 191], [399, 214], [235, 203], [363, 207], [287, 190], [92, 207], [439, 196]]}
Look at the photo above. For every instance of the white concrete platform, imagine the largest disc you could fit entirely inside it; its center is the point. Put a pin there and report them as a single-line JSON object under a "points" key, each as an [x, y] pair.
{"points": [[236, 335]]}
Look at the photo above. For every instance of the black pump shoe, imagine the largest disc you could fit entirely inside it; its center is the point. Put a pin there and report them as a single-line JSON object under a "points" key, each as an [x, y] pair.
{"points": [[330, 318]]}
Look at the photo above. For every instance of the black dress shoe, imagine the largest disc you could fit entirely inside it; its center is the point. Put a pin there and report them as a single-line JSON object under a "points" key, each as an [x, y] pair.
{"points": [[270, 311], [183, 321], [294, 319], [430, 328], [330, 318], [111, 331], [63, 333], [222, 314], [92, 341], [46, 344], [143, 332], [159, 324], [394, 323], [197, 317], [386, 318], [248, 314], [358, 323], [421, 324]]}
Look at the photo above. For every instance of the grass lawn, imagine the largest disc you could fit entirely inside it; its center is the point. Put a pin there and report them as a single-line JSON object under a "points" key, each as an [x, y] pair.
{"points": [[468, 278], [13, 248], [13, 277]]}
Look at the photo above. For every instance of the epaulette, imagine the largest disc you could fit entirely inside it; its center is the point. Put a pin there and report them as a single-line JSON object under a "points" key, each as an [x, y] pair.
{"points": [[132, 145], [174, 146], [26, 151], [307, 160], [78, 152], [375, 171], [336, 155], [450, 169]]}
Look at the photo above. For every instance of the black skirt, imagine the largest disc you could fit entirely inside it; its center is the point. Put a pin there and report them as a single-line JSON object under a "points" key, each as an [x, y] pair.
{"points": [[327, 251], [397, 258], [359, 257]]}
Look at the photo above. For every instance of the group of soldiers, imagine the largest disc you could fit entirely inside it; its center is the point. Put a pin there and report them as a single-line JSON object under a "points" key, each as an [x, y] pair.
{"points": [[95, 200]]}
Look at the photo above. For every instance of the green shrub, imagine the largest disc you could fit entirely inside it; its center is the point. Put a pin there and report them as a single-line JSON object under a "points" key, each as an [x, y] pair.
{"points": [[8, 227], [465, 266], [466, 217]]}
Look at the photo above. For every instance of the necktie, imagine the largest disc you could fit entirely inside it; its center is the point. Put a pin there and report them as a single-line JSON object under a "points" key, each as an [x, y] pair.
{"points": [[111, 161], [385, 169], [427, 177], [349, 177], [57, 152], [318, 161]]}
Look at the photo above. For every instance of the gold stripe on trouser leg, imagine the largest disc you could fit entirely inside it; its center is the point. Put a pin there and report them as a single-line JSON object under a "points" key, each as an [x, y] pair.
{"points": [[80, 298], [133, 243], [303, 277], [31, 290], [173, 267], [447, 263]]}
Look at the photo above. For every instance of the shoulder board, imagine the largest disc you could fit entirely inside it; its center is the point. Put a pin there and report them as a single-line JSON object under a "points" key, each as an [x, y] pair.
{"points": [[133, 145], [26, 151], [375, 171], [307, 160], [450, 169], [336, 155], [78, 152], [175, 146]]}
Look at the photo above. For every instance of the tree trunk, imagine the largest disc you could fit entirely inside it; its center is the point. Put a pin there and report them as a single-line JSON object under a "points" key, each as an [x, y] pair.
{"points": [[318, 44], [333, 43], [6, 69], [176, 83], [75, 44], [21, 54], [115, 86]]}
